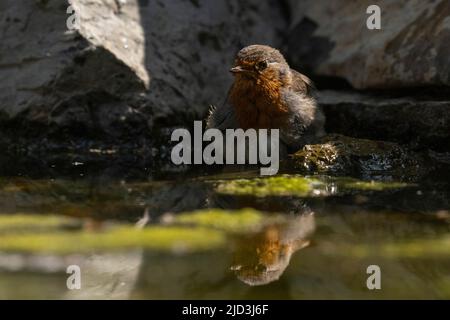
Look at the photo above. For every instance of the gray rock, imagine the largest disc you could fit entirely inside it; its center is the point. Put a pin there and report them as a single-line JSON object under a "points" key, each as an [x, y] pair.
{"points": [[134, 66], [423, 122], [411, 49], [133, 63], [55, 78], [190, 46]]}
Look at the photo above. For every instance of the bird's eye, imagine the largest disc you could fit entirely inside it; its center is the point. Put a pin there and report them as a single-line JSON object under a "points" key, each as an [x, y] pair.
{"points": [[261, 65]]}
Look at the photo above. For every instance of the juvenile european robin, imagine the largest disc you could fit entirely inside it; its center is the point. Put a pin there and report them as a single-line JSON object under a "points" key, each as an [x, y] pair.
{"points": [[268, 94], [262, 257]]}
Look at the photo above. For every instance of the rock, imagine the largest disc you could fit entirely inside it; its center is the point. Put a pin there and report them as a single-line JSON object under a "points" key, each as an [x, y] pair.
{"points": [[419, 121], [337, 154], [411, 49], [134, 68], [130, 64], [56, 79], [190, 46]]}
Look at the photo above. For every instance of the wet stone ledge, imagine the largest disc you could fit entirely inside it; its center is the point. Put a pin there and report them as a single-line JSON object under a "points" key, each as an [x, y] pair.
{"points": [[420, 121], [341, 155]]}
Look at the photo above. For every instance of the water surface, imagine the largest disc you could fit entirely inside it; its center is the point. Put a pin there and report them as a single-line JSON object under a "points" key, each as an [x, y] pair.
{"points": [[223, 236]]}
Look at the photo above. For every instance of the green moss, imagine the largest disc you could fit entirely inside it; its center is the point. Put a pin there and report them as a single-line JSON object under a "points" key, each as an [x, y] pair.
{"points": [[297, 185], [156, 238], [372, 185], [284, 185], [226, 220], [347, 184]]}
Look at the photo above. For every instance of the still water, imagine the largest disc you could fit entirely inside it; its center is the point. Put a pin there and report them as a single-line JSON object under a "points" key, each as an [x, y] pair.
{"points": [[223, 236]]}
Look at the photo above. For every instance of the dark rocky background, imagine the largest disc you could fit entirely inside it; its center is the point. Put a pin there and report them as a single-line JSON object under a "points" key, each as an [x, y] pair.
{"points": [[134, 69]]}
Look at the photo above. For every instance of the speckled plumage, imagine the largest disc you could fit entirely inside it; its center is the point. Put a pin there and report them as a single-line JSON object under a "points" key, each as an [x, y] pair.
{"points": [[268, 94]]}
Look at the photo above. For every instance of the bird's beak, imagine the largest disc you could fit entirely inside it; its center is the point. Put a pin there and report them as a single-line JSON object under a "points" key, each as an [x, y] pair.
{"points": [[237, 69]]}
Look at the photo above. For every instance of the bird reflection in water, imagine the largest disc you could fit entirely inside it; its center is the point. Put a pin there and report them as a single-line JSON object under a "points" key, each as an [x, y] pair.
{"points": [[262, 257]]}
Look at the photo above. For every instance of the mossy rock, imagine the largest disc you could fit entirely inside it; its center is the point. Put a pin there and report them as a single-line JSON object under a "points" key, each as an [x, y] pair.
{"points": [[283, 185], [338, 154], [346, 184], [302, 186]]}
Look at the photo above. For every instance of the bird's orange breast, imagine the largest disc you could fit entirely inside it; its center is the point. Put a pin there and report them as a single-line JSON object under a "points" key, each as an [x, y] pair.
{"points": [[258, 104]]}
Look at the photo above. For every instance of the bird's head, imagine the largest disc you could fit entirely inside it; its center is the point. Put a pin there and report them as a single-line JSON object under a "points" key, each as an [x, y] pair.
{"points": [[261, 65]]}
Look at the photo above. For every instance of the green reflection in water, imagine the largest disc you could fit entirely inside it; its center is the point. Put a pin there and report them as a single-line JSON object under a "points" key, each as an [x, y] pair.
{"points": [[191, 231], [403, 228], [245, 220], [156, 238]]}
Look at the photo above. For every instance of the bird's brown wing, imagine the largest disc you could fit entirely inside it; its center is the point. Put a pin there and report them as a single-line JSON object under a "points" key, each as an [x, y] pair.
{"points": [[301, 83], [221, 117]]}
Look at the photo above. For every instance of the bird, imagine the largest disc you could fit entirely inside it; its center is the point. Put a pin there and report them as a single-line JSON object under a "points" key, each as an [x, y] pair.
{"points": [[268, 94], [262, 257]]}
